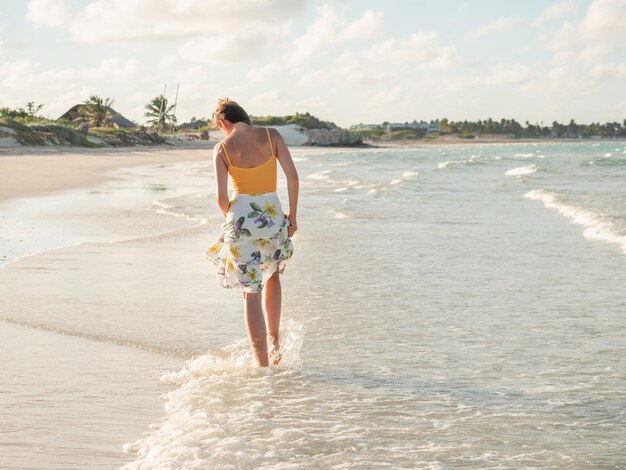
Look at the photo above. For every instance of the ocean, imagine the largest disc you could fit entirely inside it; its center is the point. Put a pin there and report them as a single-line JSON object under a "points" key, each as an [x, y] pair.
{"points": [[457, 306]]}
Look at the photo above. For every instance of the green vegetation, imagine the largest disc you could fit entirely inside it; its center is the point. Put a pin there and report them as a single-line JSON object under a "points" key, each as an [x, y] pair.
{"points": [[96, 111], [537, 130], [161, 115], [503, 127], [27, 114], [305, 120]]}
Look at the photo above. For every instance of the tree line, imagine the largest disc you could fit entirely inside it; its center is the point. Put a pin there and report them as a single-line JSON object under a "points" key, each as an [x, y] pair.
{"points": [[512, 127]]}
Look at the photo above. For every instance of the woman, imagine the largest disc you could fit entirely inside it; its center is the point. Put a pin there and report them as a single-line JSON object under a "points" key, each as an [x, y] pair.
{"points": [[251, 253]]}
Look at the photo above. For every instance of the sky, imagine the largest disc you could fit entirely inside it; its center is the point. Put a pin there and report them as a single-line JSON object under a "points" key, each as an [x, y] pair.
{"points": [[344, 61]]}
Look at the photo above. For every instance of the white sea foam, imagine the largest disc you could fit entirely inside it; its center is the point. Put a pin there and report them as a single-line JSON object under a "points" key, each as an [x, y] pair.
{"points": [[321, 175], [608, 155], [522, 171], [597, 227], [396, 181], [219, 414], [338, 214], [445, 164], [524, 155], [163, 208]]}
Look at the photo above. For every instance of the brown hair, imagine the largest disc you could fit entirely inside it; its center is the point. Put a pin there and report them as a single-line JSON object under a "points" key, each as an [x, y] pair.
{"points": [[231, 111]]}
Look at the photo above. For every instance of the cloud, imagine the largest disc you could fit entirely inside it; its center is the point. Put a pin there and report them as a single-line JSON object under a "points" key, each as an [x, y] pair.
{"points": [[385, 98], [421, 48], [617, 72], [25, 74], [124, 20], [329, 28], [562, 8], [47, 12], [599, 33], [499, 24], [315, 78], [605, 21], [508, 74], [247, 44], [352, 68]]}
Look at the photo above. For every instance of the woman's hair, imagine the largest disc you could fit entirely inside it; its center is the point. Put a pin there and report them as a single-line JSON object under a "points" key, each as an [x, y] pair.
{"points": [[231, 111]]}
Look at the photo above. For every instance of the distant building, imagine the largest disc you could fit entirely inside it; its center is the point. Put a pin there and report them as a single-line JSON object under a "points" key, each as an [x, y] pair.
{"points": [[416, 127], [365, 127]]}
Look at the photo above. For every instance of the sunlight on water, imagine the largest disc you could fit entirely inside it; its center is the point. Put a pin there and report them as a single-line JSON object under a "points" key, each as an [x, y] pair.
{"points": [[457, 306]]}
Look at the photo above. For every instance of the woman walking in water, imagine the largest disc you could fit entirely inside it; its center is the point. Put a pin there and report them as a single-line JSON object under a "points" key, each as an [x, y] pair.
{"points": [[255, 243]]}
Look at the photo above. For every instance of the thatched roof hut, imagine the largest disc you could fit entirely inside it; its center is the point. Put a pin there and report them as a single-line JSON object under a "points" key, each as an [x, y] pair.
{"points": [[116, 120]]}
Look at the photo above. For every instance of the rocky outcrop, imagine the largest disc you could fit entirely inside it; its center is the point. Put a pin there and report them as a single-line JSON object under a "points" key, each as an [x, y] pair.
{"points": [[14, 133], [333, 137], [297, 135]]}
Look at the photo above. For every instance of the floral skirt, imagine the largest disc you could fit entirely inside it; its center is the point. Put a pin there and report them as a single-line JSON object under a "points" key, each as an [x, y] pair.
{"points": [[254, 243]]}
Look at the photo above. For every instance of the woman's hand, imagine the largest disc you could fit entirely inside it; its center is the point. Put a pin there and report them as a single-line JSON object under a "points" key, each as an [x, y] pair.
{"points": [[293, 226]]}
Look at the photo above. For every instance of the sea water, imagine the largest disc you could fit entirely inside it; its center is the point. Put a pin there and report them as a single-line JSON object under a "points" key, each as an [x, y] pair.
{"points": [[446, 307]]}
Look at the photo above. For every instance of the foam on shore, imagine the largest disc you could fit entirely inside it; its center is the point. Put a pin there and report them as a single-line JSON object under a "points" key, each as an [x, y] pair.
{"points": [[597, 226]]}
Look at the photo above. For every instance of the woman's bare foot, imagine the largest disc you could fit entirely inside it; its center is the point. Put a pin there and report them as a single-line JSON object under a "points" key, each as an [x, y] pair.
{"points": [[275, 354]]}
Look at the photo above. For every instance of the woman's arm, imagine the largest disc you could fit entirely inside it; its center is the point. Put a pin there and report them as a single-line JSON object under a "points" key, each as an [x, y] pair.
{"points": [[221, 179], [293, 182]]}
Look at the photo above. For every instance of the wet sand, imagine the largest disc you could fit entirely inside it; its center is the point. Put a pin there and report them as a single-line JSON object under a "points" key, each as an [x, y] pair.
{"points": [[29, 171]]}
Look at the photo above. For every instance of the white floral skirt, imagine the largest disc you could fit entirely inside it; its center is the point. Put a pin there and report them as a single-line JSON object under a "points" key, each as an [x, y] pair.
{"points": [[254, 242]]}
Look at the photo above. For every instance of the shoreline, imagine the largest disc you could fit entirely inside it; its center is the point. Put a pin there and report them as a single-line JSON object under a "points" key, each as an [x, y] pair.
{"points": [[443, 142], [32, 171]]}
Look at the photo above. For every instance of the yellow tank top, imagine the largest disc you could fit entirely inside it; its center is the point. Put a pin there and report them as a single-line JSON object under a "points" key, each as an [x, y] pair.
{"points": [[255, 180]]}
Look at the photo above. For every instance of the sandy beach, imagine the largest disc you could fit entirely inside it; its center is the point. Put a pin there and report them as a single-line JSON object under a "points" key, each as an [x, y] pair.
{"points": [[29, 171]]}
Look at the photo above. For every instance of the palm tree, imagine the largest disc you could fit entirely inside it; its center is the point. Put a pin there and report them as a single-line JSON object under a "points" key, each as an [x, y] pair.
{"points": [[160, 113], [97, 111]]}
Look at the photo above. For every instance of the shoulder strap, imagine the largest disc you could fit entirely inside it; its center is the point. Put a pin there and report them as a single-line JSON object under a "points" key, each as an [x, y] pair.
{"points": [[270, 139], [227, 157]]}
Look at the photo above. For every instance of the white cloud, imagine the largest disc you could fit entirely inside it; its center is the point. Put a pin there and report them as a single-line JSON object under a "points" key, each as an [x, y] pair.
{"points": [[385, 98], [617, 72], [329, 28], [599, 33], [508, 74], [421, 47], [258, 74], [25, 74], [248, 44], [499, 24], [122, 20], [562, 8], [315, 78], [46, 12], [605, 21], [351, 67]]}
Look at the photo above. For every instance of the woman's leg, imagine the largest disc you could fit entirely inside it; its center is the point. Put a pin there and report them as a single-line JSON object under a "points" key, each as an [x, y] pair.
{"points": [[255, 324], [273, 299]]}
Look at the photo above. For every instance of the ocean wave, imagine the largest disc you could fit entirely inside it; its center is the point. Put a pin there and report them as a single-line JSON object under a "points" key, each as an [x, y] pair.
{"points": [[537, 154], [607, 161], [472, 160], [160, 206], [522, 171], [596, 225], [321, 175], [219, 414]]}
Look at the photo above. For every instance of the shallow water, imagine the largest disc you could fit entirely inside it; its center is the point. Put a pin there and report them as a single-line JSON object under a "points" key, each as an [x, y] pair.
{"points": [[457, 306]]}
